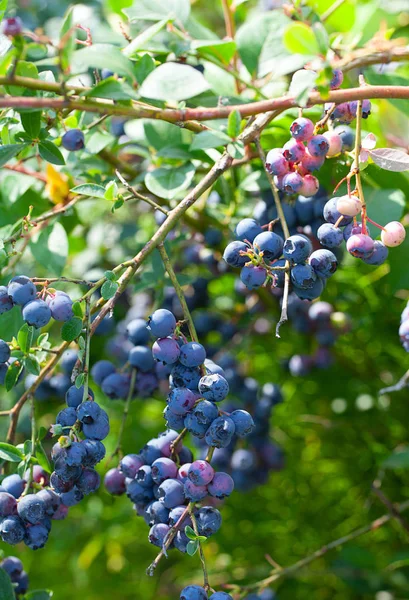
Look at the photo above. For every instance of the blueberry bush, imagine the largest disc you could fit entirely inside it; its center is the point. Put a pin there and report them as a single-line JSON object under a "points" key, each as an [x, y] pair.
{"points": [[203, 299]]}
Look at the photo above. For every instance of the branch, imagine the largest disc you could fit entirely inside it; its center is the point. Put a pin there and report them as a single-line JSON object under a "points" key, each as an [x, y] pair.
{"points": [[372, 526]]}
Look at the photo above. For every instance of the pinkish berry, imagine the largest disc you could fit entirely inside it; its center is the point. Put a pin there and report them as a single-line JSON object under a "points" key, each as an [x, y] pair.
{"points": [[360, 245], [302, 129], [393, 234], [310, 186], [278, 181], [12, 26], [312, 163], [343, 113], [200, 472], [293, 151], [318, 146], [337, 79], [276, 164], [349, 206], [292, 183], [335, 143]]}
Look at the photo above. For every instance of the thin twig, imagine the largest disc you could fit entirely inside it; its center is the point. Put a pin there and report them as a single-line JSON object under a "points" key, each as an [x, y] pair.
{"points": [[396, 387], [118, 446], [391, 507], [331, 9], [201, 553], [140, 196]]}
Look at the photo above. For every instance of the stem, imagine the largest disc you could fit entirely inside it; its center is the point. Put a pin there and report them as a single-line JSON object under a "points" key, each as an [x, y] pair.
{"points": [[390, 506], [372, 526], [231, 32], [124, 416], [326, 15], [175, 442], [201, 554], [402, 383], [85, 368], [47, 280], [33, 442], [139, 196], [179, 292], [284, 306]]}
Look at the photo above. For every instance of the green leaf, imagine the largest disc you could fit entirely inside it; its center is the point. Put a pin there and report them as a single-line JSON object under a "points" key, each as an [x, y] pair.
{"points": [[223, 50], [25, 337], [42, 457], [67, 40], [39, 595], [49, 152], [89, 189], [173, 81], [79, 380], [32, 365], [301, 85], [77, 310], [233, 124], [322, 38], [190, 533], [156, 10], [3, 7], [384, 206], [192, 547], [12, 374], [50, 248], [160, 134], [168, 183], [6, 587], [390, 159], [71, 329], [236, 150], [111, 191], [140, 42], [10, 453], [102, 56], [250, 38], [42, 340], [397, 460], [113, 89], [31, 121], [9, 151], [300, 39], [110, 275], [109, 289], [143, 67], [209, 139]]}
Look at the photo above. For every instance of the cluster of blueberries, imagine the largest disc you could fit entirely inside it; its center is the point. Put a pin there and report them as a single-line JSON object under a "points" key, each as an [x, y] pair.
{"points": [[293, 164], [15, 570], [324, 324], [27, 518], [36, 311], [196, 592], [404, 328], [258, 254], [161, 480], [341, 225]]}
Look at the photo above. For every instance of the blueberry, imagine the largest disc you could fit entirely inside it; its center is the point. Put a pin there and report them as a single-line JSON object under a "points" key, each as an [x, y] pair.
{"points": [[12, 530], [297, 248], [88, 481], [232, 254], [336, 80], [181, 400], [193, 492], [116, 385], [318, 146], [158, 533], [59, 384], [303, 276], [151, 451], [75, 454], [310, 293], [68, 360], [292, 183], [273, 393], [141, 358], [31, 509], [137, 332], [185, 455], [144, 476], [6, 302], [166, 350], [163, 468], [192, 354], [329, 235], [320, 312], [72, 497], [193, 592], [161, 323], [200, 472], [221, 485], [221, 596], [253, 277], [276, 164], [74, 395], [130, 465], [213, 387], [8, 504], [243, 459], [185, 377], [73, 140], [36, 313], [243, 422], [220, 432], [21, 290], [99, 429], [21, 584], [61, 307], [205, 412], [51, 501], [270, 244], [12, 565], [347, 135], [181, 541], [293, 151], [176, 515], [36, 537], [88, 412], [332, 215], [324, 263], [14, 485], [95, 452], [247, 229], [145, 384], [379, 254], [105, 73], [156, 512], [12, 26], [171, 493], [209, 520], [183, 471], [302, 129], [4, 351], [173, 420]]}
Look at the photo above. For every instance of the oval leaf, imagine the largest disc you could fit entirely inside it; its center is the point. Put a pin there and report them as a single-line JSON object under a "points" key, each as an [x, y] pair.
{"points": [[168, 183], [108, 289], [10, 453], [6, 587], [50, 153], [71, 329], [173, 81], [299, 38], [89, 189], [390, 159]]}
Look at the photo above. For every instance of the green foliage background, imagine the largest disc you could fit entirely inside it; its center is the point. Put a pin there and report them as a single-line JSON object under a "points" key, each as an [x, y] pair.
{"points": [[335, 430]]}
